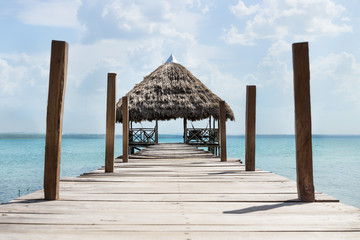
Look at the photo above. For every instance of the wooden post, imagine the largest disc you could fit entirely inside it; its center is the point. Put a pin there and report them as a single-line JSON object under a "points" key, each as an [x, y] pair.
{"points": [[210, 136], [156, 132], [185, 130], [250, 125], [110, 122], [125, 112], [222, 126], [218, 136], [57, 84], [304, 167]]}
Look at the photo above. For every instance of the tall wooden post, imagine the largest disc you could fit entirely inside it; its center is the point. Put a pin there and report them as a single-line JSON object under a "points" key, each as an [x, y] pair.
{"points": [[304, 167], [57, 84], [210, 135], [110, 122], [156, 132], [125, 112], [222, 126], [250, 123], [185, 130]]}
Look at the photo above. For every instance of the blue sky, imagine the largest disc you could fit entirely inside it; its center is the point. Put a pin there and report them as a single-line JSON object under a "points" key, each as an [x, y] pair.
{"points": [[226, 44]]}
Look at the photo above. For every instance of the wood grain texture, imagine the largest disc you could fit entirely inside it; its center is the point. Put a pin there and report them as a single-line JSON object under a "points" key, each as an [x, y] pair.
{"points": [[185, 130], [54, 120], [303, 135], [125, 112], [222, 127], [250, 128], [110, 122], [182, 198]]}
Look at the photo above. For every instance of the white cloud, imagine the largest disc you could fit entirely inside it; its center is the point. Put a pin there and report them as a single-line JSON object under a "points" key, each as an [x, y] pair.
{"points": [[55, 13], [275, 68], [6, 86], [19, 71], [134, 19], [339, 75], [232, 36], [281, 19], [241, 9]]}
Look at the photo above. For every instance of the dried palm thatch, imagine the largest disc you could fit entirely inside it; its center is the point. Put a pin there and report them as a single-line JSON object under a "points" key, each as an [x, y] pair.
{"points": [[171, 92]]}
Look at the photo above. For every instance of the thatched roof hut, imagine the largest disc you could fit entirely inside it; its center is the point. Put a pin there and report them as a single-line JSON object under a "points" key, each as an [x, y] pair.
{"points": [[171, 92]]}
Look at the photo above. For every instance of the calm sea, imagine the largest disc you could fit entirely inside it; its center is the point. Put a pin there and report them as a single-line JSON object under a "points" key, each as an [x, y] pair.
{"points": [[336, 160]]}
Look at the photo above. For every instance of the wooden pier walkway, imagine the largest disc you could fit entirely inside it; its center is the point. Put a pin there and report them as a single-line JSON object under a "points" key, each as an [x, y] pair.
{"points": [[174, 191]]}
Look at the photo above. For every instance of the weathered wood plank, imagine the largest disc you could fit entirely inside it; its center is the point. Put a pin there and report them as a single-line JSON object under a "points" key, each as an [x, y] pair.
{"points": [[125, 113], [178, 199], [54, 120], [303, 135], [250, 127], [110, 122], [222, 128]]}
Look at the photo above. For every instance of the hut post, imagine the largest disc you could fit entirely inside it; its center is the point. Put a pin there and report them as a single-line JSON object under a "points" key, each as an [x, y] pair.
{"points": [[54, 120], [303, 135], [157, 132], [210, 136], [185, 130], [125, 111], [110, 122], [218, 136], [250, 128], [132, 148], [222, 126]]}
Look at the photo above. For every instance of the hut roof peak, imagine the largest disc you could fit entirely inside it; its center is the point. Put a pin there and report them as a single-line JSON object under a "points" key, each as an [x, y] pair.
{"points": [[171, 59]]}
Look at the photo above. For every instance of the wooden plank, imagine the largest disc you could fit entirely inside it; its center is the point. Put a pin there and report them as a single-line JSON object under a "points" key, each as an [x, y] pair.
{"points": [[250, 125], [303, 136], [222, 127], [184, 198], [110, 122], [57, 85], [92, 233], [125, 111]]}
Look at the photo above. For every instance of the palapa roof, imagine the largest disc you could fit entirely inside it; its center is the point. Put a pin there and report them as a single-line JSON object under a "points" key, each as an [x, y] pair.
{"points": [[171, 92]]}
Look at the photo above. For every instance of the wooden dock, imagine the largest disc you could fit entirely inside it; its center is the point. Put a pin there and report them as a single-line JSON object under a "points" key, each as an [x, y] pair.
{"points": [[174, 191]]}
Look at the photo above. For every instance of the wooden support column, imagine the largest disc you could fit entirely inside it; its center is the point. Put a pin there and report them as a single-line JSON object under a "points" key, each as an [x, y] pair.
{"points": [[303, 135], [157, 132], [250, 123], [222, 126], [125, 112], [210, 123], [185, 130], [210, 135], [110, 122], [56, 95]]}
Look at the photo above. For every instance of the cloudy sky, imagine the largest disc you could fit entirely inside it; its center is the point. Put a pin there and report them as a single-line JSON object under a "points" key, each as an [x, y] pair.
{"points": [[226, 44]]}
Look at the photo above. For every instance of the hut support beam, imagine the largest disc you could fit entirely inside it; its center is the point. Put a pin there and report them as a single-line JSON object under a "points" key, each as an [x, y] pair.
{"points": [[185, 130], [56, 96], [210, 149], [110, 122], [222, 126], [250, 128], [157, 132], [303, 135], [125, 112]]}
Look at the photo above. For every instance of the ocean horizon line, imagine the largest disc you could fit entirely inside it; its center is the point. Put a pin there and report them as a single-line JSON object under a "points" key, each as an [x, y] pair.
{"points": [[22, 135]]}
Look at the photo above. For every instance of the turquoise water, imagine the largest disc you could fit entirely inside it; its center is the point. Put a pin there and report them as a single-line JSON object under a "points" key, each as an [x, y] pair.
{"points": [[336, 160]]}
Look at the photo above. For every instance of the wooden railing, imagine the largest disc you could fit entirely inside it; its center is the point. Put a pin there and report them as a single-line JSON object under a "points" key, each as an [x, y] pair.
{"points": [[142, 136], [202, 136]]}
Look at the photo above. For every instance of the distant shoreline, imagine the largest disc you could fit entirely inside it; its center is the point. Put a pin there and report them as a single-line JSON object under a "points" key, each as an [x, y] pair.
{"points": [[100, 136]]}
